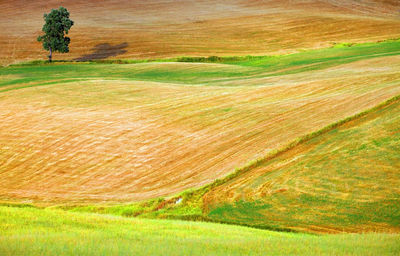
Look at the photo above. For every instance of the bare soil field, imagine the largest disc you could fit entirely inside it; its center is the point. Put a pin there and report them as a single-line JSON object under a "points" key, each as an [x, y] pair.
{"points": [[155, 28]]}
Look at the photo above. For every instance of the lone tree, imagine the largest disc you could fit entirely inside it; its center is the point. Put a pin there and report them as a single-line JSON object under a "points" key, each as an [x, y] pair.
{"points": [[57, 23]]}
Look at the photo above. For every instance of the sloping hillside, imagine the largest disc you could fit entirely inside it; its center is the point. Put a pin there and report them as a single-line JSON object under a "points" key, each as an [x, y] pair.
{"points": [[342, 178], [155, 28], [109, 132], [345, 180], [30, 231], [224, 111]]}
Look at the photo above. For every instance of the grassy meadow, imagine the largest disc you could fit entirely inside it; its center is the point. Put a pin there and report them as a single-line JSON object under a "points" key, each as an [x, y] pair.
{"points": [[30, 231], [167, 70]]}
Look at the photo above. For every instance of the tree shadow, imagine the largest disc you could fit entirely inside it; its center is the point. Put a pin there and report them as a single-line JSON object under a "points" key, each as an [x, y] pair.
{"points": [[103, 51]]}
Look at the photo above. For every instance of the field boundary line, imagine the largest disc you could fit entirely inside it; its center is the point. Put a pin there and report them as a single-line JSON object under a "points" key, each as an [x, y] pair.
{"points": [[300, 140]]}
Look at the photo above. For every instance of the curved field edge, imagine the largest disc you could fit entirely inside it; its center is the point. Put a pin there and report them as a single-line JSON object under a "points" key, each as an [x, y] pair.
{"points": [[231, 129], [190, 204], [30, 231], [347, 52], [346, 180]]}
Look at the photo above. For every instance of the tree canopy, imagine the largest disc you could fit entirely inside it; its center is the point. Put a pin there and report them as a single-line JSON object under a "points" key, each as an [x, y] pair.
{"points": [[57, 25]]}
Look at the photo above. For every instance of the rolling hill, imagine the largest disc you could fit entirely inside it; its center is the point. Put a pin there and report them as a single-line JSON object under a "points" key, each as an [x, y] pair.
{"points": [[344, 180], [155, 28], [280, 117], [341, 178], [129, 132]]}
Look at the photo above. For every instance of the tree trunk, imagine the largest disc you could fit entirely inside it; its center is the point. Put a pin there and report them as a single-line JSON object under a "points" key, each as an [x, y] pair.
{"points": [[50, 55]]}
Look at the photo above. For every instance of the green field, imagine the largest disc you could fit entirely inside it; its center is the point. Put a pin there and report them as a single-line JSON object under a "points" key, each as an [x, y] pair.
{"points": [[30, 231], [233, 73]]}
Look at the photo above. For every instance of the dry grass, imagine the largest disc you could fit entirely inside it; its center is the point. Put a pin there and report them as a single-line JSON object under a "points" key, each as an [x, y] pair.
{"points": [[135, 29], [103, 140]]}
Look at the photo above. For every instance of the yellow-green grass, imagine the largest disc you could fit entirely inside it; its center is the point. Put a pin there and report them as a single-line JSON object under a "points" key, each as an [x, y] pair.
{"points": [[347, 179], [200, 71], [30, 231]]}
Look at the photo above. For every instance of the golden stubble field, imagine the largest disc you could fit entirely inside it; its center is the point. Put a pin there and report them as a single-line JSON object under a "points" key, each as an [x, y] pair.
{"points": [[114, 140], [155, 28]]}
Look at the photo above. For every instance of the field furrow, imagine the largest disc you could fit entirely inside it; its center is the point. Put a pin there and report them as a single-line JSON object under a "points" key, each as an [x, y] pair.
{"points": [[127, 140]]}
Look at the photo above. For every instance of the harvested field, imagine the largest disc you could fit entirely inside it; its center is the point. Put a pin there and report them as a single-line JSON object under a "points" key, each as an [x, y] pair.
{"points": [[278, 120], [153, 29], [346, 180], [74, 133]]}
